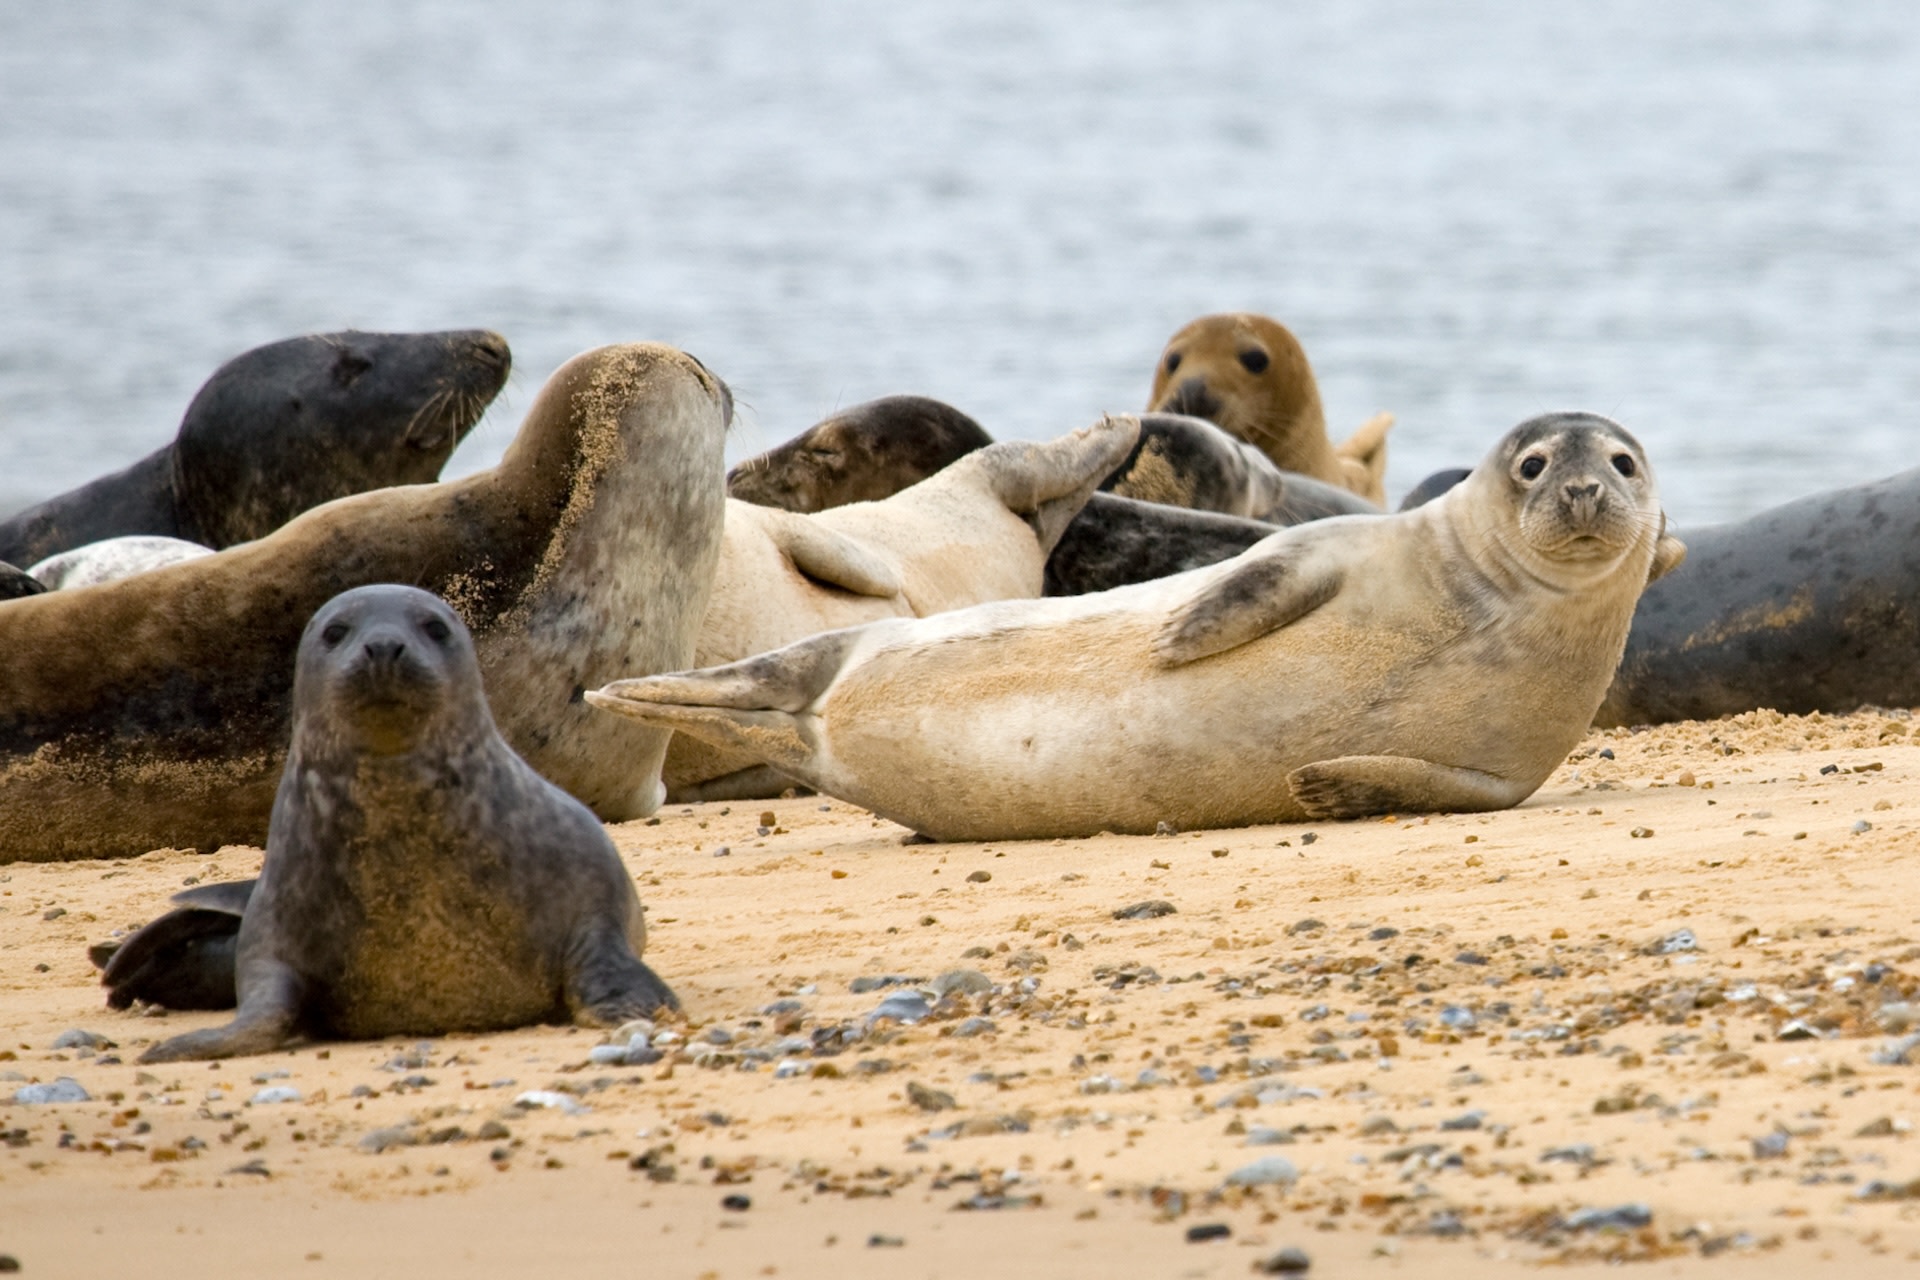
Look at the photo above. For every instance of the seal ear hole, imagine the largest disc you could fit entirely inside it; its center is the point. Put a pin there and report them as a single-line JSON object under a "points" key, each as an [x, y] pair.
{"points": [[1625, 465], [1254, 360], [436, 630], [1531, 468], [334, 633], [1173, 361]]}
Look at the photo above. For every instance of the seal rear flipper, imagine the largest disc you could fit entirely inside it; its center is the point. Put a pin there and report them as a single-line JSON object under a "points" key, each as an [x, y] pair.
{"points": [[183, 960], [1360, 786], [607, 984], [833, 558], [1262, 593], [788, 679], [778, 737], [1363, 456], [1047, 484]]}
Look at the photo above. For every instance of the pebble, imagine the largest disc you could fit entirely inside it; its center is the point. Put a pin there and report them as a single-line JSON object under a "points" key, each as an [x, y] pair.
{"points": [[65, 1089], [929, 1099], [1621, 1217], [1151, 909], [1898, 1053], [1772, 1146], [535, 1099], [979, 877], [902, 1006], [1459, 1017], [963, 982], [78, 1039], [1580, 1153], [737, 1203], [378, 1140], [717, 1035], [1862, 827], [1797, 1029], [1289, 1261], [860, 986], [877, 1241], [1261, 1135], [1677, 941], [974, 1027], [277, 1093], [1268, 1171], [1468, 1120], [1201, 1232]]}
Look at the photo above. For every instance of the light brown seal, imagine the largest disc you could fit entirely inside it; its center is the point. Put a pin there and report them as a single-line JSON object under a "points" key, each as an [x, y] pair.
{"points": [[155, 711], [419, 877], [980, 529], [1249, 376], [1445, 658]]}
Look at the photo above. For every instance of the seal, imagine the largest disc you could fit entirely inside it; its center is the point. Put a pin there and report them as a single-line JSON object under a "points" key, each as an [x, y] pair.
{"points": [[1249, 375], [980, 529], [1117, 541], [1809, 606], [869, 452], [155, 711], [112, 559], [1183, 461], [278, 430], [16, 582], [420, 878], [1432, 487], [1340, 668]]}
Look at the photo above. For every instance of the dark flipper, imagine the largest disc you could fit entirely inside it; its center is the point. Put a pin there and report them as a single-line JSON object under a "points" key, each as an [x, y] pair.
{"points": [[185, 959]]}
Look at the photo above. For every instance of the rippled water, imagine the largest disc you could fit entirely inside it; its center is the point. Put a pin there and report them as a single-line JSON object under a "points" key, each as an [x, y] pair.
{"points": [[1702, 219]]}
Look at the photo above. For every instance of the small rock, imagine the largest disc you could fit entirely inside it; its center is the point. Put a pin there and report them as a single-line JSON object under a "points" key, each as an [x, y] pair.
{"points": [[278, 1093], [1201, 1232], [1383, 933], [1898, 1053], [1882, 1127], [1771, 1147], [877, 1241], [961, 982], [1466, 1121], [1621, 1217], [1672, 944], [1268, 1171], [736, 1203], [1291, 1260], [1797, 1029], [78, 1039], [1580, 1153], [377, 1140], [64, 1089], [901, 1006], [1305, 926], [1151, 909], [1261, 1135], [717, 1035], [929, 1099], [974, 1027], [1862, 827], [1641, 833], [536, 1099], [53, 913], [979, 877], [492, 1131], [1165, 829]]}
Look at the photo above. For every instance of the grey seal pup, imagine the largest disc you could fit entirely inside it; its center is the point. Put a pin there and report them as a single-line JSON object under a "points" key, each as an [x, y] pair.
{"points": [[281, 429], [1446, 658], [111, 559], [420, 878]]}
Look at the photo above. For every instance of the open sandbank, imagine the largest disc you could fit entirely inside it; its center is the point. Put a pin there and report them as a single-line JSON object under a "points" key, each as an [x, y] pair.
{"points": [[1680, 978]]}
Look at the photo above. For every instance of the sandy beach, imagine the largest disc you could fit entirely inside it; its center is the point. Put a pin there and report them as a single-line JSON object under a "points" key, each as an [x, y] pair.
{"points": [[1657, 1014]]}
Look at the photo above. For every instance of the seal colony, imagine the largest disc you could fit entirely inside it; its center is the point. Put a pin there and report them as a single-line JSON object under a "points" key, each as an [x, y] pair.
{"points": [[155, 711], [281, 429], [1445, 658], [420, 878]]}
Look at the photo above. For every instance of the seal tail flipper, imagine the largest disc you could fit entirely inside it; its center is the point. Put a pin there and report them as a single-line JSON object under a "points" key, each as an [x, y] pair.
{"points": [[1362, 786], [1363, 458], [185, 959], [756, 705], [1261, 593], [1047, 484], [833, 558]]}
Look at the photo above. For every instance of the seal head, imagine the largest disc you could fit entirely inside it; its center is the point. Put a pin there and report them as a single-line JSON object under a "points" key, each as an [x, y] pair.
{"points": [[869, 452]]}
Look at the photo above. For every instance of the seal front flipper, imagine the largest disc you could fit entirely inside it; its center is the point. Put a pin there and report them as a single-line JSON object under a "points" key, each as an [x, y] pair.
{"points": [[833, 558], [1047, 484], [269, 1017], [183, 960], [1359, 786], [1262, 593], [607, 985]]}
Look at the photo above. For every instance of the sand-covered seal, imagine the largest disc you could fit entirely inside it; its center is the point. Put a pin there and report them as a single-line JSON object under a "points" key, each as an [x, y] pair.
{"points": [[420, 878], [1810, 606], [1249, 375], [863, 454], [281, 429], [980, 529], [111, 559], [1442, 659], [154, 711]]}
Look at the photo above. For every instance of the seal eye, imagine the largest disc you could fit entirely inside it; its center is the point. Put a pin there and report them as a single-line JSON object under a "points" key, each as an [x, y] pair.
{"points": [[1623, 463], [1254, 360], [1532, 467], [436, 630], [334, 633], [1173, 361]]}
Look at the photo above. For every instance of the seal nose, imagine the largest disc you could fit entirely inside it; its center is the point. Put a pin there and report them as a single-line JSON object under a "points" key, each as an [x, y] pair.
{"points": [[1584, 491], [490, 349], [1192, 398], [384, 648]]}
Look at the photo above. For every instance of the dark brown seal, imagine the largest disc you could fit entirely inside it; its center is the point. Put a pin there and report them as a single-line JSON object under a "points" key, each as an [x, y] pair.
{"points": [[281, 429], [869, 452], [154, 711], [420, 878]]}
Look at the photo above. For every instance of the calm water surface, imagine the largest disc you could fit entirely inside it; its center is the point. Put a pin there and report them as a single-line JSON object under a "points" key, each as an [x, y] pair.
{"points": [[1702, 219]]}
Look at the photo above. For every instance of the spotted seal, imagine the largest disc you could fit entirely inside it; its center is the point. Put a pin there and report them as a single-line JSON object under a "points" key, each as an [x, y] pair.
{"points": [[1442, 659]]}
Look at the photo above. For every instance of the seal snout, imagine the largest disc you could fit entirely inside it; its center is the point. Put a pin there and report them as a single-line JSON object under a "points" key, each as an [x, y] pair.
{"points": [[1192, 397]]}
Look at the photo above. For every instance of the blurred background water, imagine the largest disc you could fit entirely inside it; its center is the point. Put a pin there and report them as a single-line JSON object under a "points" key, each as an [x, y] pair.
{"points": [[1702, 219]]}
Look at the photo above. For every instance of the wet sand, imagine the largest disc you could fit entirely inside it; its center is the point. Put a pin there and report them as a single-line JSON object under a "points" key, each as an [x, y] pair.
{"points": [[1675, 981]]}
